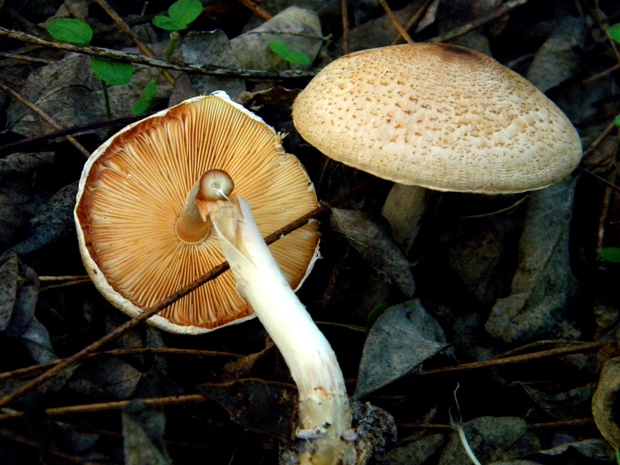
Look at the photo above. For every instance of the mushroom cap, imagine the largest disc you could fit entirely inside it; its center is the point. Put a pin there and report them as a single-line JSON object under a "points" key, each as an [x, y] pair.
{"points": [[438, 116], [133, 189]]}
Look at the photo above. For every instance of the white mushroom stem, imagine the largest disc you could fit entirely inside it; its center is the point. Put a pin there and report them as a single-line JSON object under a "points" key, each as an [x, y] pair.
{"points": [[404, 208], [324, 413]]}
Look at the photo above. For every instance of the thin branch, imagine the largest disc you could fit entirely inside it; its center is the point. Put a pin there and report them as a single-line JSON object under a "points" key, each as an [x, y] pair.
{"points": [[413, 21], [257, 10], [344, 12], [115, 405], [124, 328], [45, 450], [23, 143], [399, 27], [156, 62], [498, 13], [44, 116], [139, 351], [122, 25], [515, 359]]}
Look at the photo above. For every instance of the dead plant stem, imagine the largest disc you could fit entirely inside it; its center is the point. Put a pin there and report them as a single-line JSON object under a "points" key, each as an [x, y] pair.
{"points": [[155, 62]]}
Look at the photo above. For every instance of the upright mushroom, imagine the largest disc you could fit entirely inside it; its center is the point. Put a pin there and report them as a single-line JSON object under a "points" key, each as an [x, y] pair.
{"points": [[437, 116], [140, 233]]}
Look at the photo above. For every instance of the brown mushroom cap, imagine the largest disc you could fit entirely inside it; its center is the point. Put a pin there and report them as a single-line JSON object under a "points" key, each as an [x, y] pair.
{"points": [[133, 190], [437, 116]]}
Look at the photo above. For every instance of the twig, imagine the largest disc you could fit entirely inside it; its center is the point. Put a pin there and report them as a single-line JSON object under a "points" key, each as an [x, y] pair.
{"points": [[344, 12], [257, 10], [44, 116], [501, 11], [116, 405], [156, 62], [413, 21], [51, 452], [399, 27], [122, 329], [12, 56], [22, 144], [466, 367], [140, 351], [127, 30], [602, 74]]}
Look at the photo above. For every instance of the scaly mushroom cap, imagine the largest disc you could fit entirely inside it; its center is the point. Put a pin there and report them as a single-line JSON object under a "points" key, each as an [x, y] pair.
{"points": [[438, 116], [133, 190]]}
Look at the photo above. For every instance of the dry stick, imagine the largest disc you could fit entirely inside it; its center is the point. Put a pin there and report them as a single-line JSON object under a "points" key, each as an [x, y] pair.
{"points": [[115, 405], [50, 452], [257, 10], [466, 367], [45, 116], [141, 351], [399, 27], [127, 30], [344, 12], [156, 62], [20, 144], [13, 56], [149, 312], [602, 74], [413, 21], [501, 11]]}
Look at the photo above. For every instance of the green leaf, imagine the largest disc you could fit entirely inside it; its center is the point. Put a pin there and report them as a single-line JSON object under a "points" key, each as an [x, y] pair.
{"points": [[611, 254], [298, 58], [140, 106], [279, 48], [70, 30], [150, 90], [167, 24], [114, 73], [614, 32], [185, 11], [617, 121]]}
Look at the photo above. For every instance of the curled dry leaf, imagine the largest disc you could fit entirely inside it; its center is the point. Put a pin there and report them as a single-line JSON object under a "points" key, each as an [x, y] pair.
{"points": [[299, 28], [373, 242], [604, 402], [267, 407], [543, 286], [143, 435], [558, 60], [490, 439], [211, 48], [19, 292], [400, 341]]}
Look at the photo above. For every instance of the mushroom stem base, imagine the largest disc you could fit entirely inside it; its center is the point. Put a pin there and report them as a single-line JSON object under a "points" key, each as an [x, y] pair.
{"points": [[324, 413]]}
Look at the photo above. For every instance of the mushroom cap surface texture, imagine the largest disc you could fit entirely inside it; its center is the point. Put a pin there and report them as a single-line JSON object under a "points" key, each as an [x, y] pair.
{"points": [[133, 189], [438, 116]]}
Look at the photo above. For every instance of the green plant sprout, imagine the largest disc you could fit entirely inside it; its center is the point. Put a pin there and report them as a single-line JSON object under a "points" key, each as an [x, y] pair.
{"points": [[180, 14], [611, 254], [115, 73], [280, 48]]}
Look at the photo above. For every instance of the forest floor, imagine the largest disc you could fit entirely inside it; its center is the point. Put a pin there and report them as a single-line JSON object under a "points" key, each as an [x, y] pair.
{"points": [[501, 317]]}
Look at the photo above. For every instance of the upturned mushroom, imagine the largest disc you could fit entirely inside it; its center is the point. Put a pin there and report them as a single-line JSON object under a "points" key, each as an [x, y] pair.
{"points": [[435, 116], [140, 234], [155, 203]]}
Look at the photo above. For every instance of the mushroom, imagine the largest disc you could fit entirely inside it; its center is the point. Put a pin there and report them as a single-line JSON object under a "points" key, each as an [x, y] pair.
{"points": [[435, 116], [140, 234], [324, 415]]}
